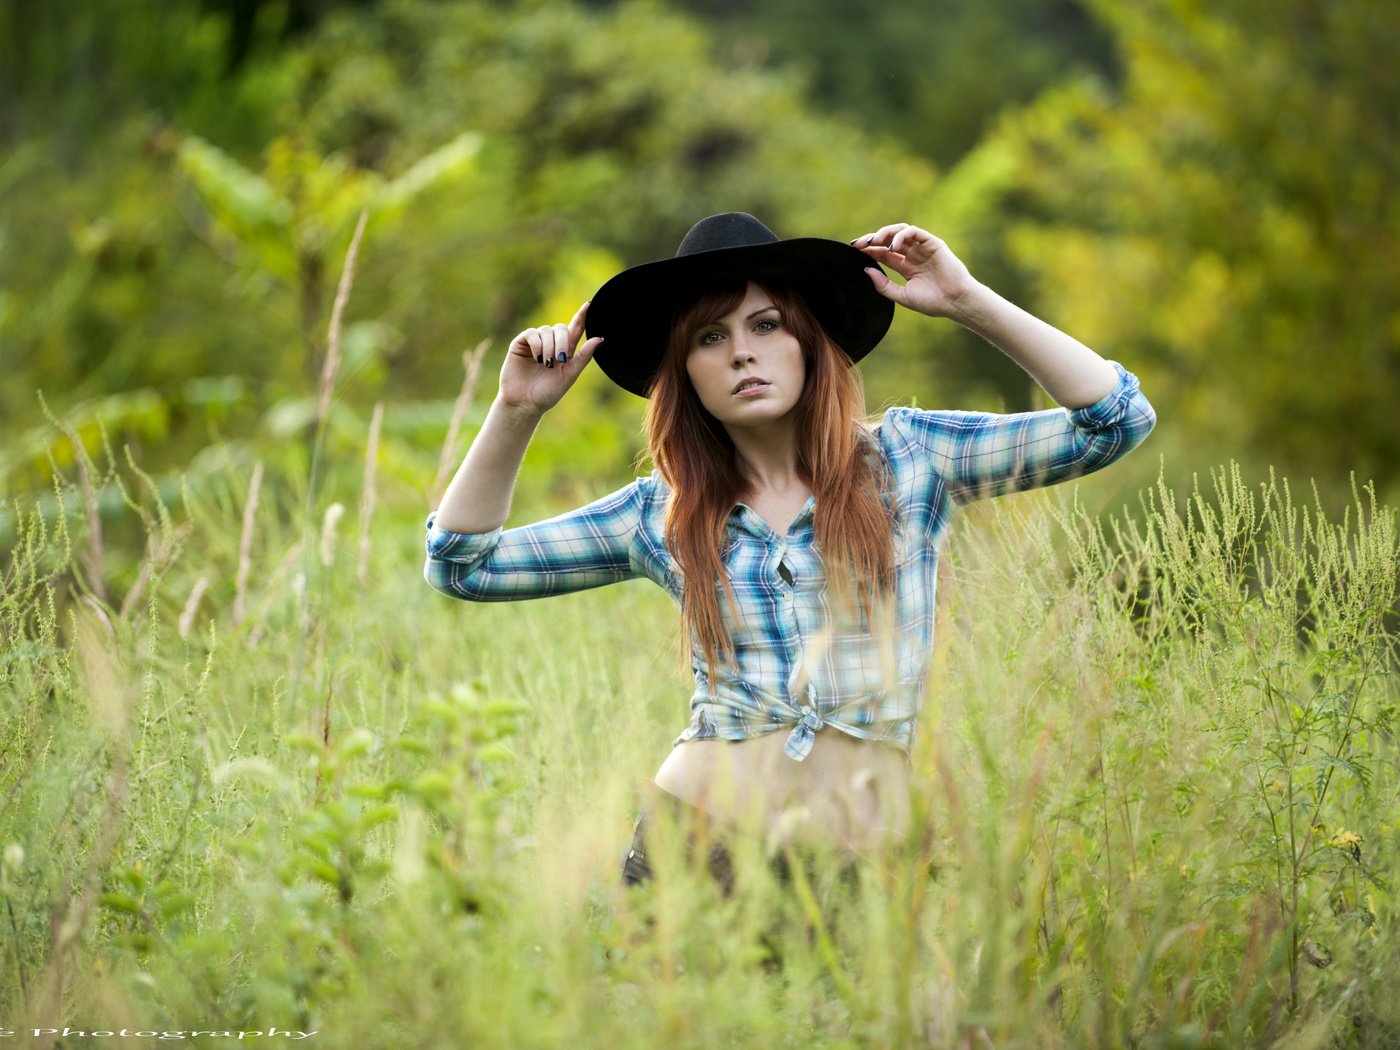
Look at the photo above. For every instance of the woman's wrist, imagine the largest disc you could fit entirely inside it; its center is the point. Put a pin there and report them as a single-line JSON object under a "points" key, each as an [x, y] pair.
{"points": [[977, 308], [517, 414]]}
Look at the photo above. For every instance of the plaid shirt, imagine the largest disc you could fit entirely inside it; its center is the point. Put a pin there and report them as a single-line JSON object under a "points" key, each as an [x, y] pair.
{"points": [[798, 667]]}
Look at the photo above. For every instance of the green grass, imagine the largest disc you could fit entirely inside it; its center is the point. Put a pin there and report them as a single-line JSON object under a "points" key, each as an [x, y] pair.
{"points": [[1155, 782]]}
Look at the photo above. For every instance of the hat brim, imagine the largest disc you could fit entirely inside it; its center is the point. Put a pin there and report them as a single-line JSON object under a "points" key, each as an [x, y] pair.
{"points": [[633, 311]]}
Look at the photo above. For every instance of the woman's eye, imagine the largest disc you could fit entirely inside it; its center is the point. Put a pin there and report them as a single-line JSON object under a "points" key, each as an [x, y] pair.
{"points": [[766, 325], [708, 338]]}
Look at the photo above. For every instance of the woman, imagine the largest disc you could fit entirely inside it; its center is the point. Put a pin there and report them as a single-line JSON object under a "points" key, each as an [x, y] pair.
{"points": [[800, 543]]}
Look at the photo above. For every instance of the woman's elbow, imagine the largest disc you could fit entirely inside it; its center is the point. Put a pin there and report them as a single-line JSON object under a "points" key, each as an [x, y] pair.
{"points": [[441, 577], [1142, 419]]}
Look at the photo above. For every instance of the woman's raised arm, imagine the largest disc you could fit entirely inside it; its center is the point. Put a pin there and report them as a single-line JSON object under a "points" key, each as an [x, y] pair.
{"points": [[540, 366], [938, 284]]}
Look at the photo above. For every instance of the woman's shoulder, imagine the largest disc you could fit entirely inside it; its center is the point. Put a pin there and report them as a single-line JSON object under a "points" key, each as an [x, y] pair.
{"points": [[652, 484], [894, 427], [652, 493]]}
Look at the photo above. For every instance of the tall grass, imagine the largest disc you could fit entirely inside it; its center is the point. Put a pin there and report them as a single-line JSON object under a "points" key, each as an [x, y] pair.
{"points": [[1155, 789]]}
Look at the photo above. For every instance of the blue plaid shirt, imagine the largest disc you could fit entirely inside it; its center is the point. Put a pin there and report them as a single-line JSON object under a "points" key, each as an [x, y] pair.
{"points": [[796, 666]]}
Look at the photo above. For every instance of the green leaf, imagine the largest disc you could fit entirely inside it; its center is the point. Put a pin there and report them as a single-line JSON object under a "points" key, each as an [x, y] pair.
{"points": [[120, 902], [449, 163]]}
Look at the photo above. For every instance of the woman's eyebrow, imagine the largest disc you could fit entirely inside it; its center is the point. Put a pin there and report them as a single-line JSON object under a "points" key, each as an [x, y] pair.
{"points": [[760, 310]]}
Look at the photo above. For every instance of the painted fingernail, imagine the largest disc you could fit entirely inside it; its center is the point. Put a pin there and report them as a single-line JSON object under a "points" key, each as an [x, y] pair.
{"points": [[561, 357], [539, 358], [549, 363]]}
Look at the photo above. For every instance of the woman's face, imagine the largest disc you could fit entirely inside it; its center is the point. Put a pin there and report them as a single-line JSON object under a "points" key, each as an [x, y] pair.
{"points": [[746, 367]]}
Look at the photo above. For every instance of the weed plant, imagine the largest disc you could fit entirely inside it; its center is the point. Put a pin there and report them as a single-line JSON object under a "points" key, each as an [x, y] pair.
{"points": [[1155, 794]]}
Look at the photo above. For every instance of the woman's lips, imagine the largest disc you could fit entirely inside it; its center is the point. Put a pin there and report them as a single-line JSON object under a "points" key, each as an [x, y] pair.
{"points": [[752, 389]]}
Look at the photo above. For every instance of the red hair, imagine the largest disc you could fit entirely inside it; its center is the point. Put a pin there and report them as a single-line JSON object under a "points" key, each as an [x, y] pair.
{"points": [[836, 459]]}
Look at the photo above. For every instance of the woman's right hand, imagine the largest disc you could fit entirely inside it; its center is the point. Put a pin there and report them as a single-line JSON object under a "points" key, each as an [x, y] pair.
{"points": [[542, 363]]}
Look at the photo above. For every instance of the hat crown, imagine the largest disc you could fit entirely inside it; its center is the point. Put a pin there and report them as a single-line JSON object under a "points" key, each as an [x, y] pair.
{"points": [[732, 229]]}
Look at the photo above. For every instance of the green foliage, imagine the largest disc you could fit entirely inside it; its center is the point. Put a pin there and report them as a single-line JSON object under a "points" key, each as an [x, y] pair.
{"points": [[933, 76], [1154, 783], [493, 192], [1223, 218], [1290, 621]]}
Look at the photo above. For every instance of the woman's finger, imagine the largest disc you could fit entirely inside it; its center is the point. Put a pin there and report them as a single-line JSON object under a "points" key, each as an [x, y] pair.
{"points": [[585, 352], [882, 252], [576, 326], [530, 340], [913, 237], [880, 236], [884, 285], [563, 343], [894, 260], [547, 345], [886, 233]]}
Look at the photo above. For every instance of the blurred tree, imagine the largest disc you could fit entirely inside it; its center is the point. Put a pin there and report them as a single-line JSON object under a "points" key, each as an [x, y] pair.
{"points": [[296, 17], [606, 131], [1230, 216], [70, 73], [933, 78], [934, 75], [161, 258], [287, 219]]}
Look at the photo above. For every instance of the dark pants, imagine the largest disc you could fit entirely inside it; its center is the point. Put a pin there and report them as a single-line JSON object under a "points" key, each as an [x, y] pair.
{"points": [[720, 864]]}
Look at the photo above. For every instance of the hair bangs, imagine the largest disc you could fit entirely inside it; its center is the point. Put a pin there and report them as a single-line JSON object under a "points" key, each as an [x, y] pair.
{"points": [[709, 307]]}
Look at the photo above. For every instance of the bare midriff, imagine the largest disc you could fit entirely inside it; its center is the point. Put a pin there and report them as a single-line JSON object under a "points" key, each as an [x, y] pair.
{"points": [[848, 793]]}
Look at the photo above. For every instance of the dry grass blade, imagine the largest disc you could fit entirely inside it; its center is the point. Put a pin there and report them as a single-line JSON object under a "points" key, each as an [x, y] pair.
{"points": [[95, 558], [471, 361], [107, 683], [329, 523], [191, 607], [160, 559], [342, 295], [245, 543], [367, 492], [283, 567]]}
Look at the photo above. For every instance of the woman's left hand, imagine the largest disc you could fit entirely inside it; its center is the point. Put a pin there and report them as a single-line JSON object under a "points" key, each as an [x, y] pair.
{"points": [[935, 279]]}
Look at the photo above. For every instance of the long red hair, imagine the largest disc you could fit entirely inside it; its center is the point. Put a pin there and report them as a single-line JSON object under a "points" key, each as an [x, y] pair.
{"points": [[836, 458]]}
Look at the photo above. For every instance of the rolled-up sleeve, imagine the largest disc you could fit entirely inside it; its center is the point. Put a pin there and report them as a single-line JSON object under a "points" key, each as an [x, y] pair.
{"points": [[983, 454], [583, 548]]}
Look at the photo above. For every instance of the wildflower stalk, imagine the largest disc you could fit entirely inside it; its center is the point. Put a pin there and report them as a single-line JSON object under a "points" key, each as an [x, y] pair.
{"points": [[367, 494], [245, 543], [94, 557], [328, 374], [342, 295], [192, 605], [471, 363]]}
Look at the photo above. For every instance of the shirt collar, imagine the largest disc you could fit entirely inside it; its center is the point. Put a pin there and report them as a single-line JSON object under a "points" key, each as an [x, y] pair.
{"points": [[746, 518]]}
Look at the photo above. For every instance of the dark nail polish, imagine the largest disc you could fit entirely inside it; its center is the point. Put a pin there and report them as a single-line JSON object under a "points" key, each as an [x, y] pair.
{"points": [[562, 357], [539, 358]]}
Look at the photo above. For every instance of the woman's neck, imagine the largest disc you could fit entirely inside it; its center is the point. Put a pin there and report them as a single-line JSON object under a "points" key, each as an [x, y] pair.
{"points": [[767, 457]]}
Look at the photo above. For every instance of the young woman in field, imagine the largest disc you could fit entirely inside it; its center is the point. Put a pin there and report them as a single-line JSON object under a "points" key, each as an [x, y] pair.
{"points": [[800, 541]]}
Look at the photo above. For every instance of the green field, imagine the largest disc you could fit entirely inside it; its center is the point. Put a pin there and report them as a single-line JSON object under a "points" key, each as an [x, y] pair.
{"points": [[258, 781], [1156, 794]]}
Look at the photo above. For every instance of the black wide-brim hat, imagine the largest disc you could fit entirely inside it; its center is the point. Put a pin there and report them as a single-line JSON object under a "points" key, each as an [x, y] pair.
{"points": [[633, 312]]}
